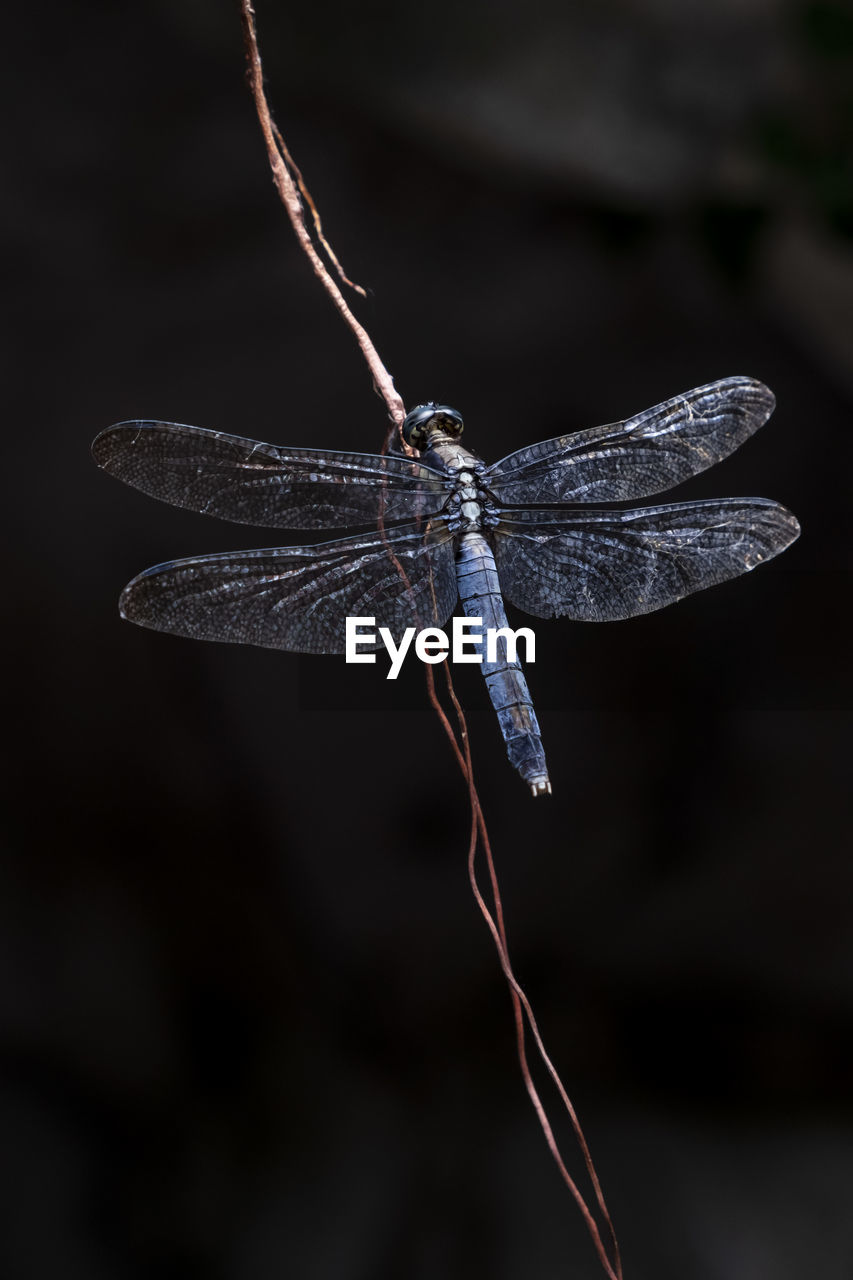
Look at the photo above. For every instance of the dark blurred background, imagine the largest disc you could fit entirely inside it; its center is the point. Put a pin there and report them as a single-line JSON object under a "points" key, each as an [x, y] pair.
{"points": [[252, 1025]]}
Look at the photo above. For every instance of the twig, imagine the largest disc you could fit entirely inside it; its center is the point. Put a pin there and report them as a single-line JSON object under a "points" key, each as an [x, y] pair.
{"points": [[289, 183], [521, 1004], [287, 189], [293, 168]]}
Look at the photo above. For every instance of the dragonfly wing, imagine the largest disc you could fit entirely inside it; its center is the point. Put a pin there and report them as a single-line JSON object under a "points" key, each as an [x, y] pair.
{"points": [[646, 454], [298, 598], [250, 482], [600, 566]]}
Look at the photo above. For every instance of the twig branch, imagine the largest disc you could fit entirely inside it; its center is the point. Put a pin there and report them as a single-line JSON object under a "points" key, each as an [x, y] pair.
{"points": [[287, 189], [293, 168], [289, 182], [521, 1005]]}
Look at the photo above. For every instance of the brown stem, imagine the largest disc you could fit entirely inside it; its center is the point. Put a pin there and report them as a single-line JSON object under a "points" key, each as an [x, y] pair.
{"points": [[289, 183], [287, 189], [521, 1004]]}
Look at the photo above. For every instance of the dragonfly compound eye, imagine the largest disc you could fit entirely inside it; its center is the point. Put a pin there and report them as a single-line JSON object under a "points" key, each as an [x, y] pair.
{"points": [[426, 418]]}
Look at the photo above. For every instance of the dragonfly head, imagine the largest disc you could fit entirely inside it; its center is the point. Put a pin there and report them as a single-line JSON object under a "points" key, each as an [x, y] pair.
{"points": [[428, 418]]}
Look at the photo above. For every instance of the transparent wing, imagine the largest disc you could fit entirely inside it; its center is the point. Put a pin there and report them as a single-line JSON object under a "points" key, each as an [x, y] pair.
{"points": [[298, 598], [250, 482], [600, 566], [643, 455]]}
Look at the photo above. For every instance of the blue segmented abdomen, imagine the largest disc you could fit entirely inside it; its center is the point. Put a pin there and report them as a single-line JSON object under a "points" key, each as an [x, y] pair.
{"points": [[480, 593]]}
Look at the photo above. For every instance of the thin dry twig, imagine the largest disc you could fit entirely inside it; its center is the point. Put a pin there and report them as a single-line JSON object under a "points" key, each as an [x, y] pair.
{"points": [[289, 182], [521, 1004], [287, 189], [293, 168]]}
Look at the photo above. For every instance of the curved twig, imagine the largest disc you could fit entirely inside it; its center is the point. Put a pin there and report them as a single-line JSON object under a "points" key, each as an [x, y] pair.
{"points": [[287, 189], [289, 183], [521, 1004]]}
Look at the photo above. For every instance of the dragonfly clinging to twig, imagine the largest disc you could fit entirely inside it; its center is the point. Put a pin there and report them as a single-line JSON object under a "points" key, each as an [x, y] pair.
{"points": [[448, 527]]}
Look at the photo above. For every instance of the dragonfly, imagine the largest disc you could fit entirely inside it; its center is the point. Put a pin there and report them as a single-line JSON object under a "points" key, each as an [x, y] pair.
{"points": [[541, 528]]}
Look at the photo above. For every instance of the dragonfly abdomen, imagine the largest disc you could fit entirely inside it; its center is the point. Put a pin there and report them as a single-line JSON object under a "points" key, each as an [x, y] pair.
{"points": [[480, 593]]}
